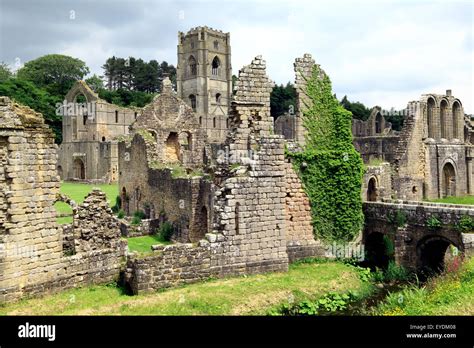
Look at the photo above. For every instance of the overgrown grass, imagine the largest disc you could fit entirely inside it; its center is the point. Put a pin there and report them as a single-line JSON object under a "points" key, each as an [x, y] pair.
{"points": [[469, 200], [251, 295], [449, 294], [77, 192], [143, 244]]}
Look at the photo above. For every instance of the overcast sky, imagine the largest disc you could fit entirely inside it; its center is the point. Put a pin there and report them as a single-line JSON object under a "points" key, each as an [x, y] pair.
{"points": [[378, 52]]}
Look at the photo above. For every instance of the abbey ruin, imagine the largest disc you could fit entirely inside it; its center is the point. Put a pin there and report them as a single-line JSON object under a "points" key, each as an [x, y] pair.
{"points": [[212, 164]]}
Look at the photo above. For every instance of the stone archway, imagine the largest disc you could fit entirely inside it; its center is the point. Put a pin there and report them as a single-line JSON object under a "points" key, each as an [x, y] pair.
{"points": [[432, 252], [79, 169], [448, 181], [372, 190], [172, 151]]}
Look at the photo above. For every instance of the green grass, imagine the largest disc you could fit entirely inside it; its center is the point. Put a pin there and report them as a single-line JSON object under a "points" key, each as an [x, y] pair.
{"points": [[254, 294], [469, 200], [143, 244], [449, 294], [77, 192]]}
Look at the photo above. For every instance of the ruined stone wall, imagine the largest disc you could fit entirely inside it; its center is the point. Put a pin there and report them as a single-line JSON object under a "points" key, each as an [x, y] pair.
{"points": [[375, 148], [32, 258], [300, 240], [286, 125], [381, 176]]}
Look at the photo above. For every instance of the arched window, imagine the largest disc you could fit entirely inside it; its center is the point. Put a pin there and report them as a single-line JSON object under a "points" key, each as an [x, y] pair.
{"points": [[192, 99], [443, 119], [200, 121], [218, 98], [378, 123], [192, 66], [456, 116], [216, 63], [431, 106], [103, 138], [84, 120]]}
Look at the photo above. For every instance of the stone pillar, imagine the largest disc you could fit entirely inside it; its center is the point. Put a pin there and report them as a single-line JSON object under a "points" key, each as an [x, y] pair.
{"points": [[470, 183]]}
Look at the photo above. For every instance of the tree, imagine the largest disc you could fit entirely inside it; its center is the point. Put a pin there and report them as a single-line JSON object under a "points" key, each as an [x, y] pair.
{"points": [[25, 92], [282, 99], [329, 166], [54, 72], [95, 82], [5, 72], [359, 110]]}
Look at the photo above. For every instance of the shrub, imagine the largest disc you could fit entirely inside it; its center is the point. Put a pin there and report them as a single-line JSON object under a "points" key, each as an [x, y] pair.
{"points": [[465, 224], [136, 220], [139, 214], [121, 214], [433, 223], [396, 273], [165, 231], [399, 218]]}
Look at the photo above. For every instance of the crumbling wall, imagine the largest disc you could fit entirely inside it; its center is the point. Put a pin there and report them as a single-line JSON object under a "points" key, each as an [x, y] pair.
{"points": [[32, 258]]}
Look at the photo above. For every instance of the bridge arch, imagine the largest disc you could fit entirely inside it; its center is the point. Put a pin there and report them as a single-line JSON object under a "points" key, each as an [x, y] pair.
{"points": [[432, 252]]}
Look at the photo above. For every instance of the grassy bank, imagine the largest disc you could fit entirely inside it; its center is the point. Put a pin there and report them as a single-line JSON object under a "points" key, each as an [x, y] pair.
{"points": [[469, 200], [449, 294], [254, 294]]}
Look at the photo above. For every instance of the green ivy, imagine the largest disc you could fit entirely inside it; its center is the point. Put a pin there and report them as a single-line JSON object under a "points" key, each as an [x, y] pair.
{"points": [[433, 223], [329, 166], [465, 224]]}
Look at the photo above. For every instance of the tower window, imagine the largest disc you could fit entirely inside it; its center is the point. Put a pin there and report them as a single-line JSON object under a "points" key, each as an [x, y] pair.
{"points": [[215, 66], [200, 121], [202, 36], [216, 45], [116, 116], [103, 138], [192, 66], [214, 122], [84, 120], [192, 99], [218, 98]]}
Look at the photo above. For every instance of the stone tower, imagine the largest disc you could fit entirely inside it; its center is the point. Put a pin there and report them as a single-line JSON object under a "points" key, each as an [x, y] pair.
{"points": [[204, 78]]}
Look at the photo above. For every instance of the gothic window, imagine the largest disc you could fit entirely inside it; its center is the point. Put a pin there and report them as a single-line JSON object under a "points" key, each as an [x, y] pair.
{"points": [[216, 45], [218, 98], [192, 66], [215, 66], [192, 99]]}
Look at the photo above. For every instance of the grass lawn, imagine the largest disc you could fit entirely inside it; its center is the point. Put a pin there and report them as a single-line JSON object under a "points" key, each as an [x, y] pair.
{"points": [[77, 192], [449, 294], [254, 294], [143, 244], [455, 200]]}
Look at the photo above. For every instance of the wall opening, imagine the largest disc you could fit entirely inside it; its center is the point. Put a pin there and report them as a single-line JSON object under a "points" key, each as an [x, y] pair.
{"points": [[378, 123], [443, 120], [237, 220], [116, 116], [216, 63], [124, 200], [192, 66], [456, 116], [449, 181], [172, 148], [372, 190], [79, 169], [218, 98], [376, 253], [432, 253], [430, 120], [192, 100]]}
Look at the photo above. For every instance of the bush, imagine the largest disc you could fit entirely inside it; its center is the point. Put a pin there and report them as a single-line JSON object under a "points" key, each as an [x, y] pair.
{"points": [[433, 223], [396, 273], [165, 231], [139, 214], [121, 214], [465, 224], [136, 220]]}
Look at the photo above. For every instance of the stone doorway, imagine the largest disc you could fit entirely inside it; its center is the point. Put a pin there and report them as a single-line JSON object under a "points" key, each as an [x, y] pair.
{"points": [[79, 169], [449, 180], [172, 148], [372, 190]]}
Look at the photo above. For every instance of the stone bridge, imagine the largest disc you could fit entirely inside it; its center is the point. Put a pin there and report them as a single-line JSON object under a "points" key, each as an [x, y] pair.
{"points": [[420, 232]]}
